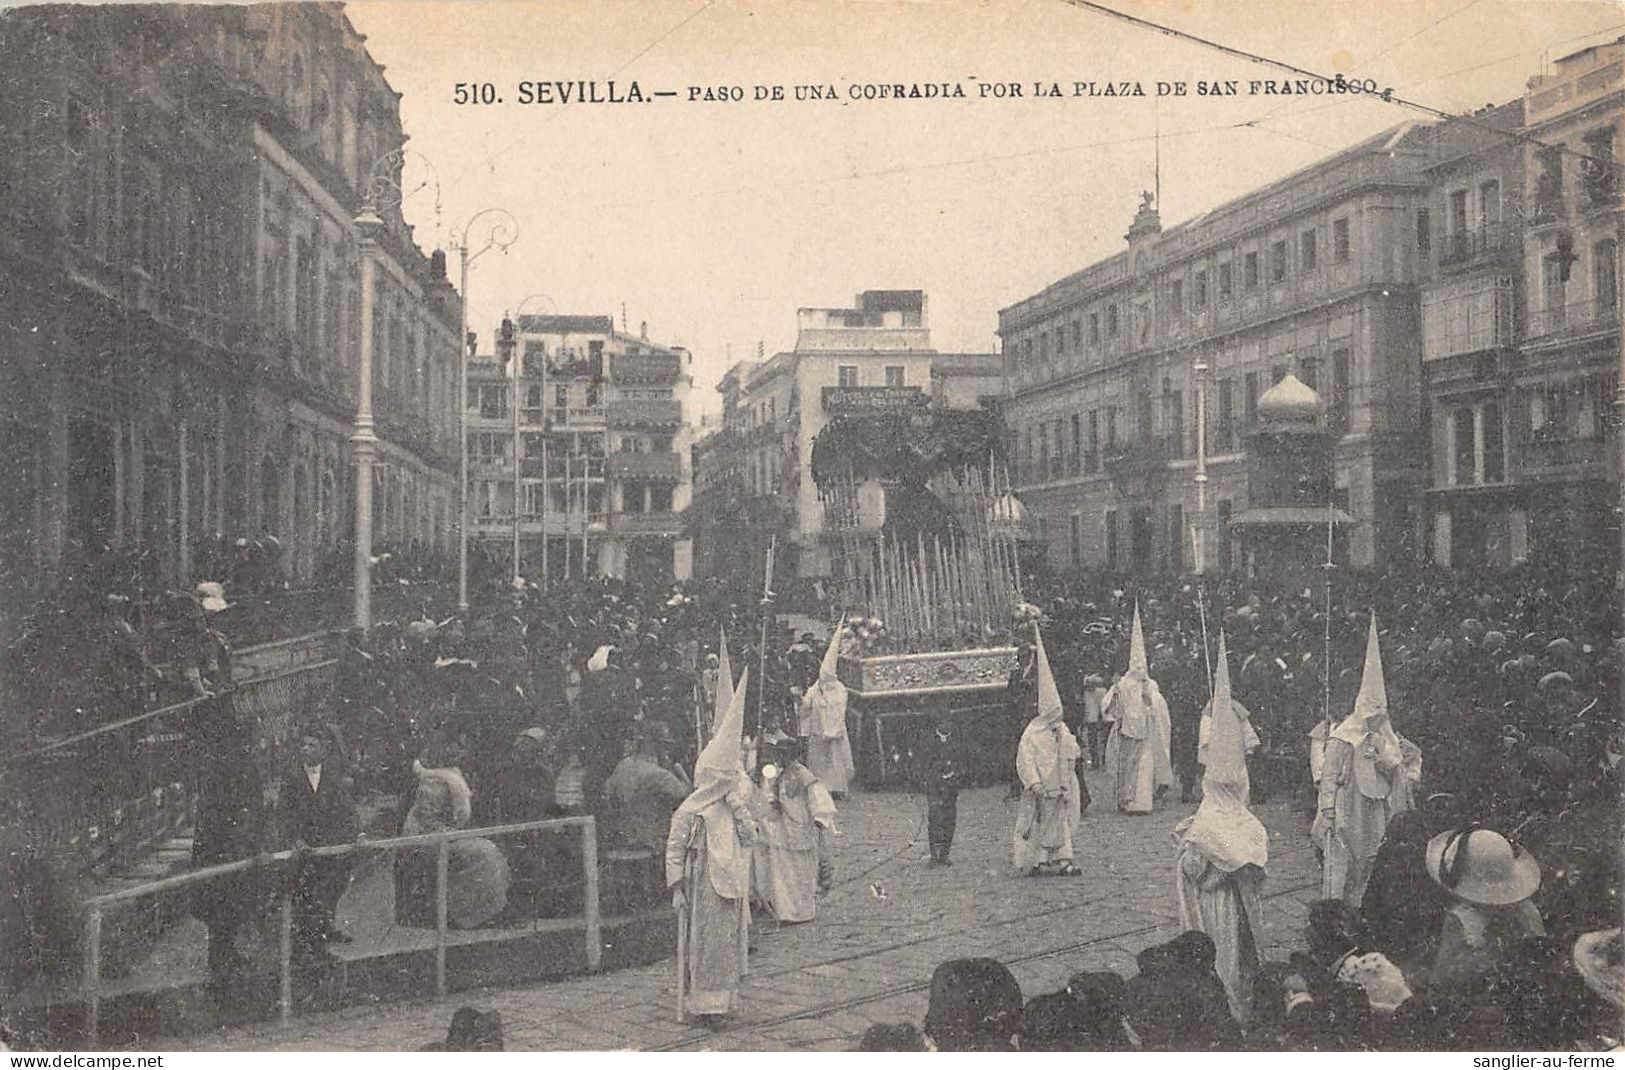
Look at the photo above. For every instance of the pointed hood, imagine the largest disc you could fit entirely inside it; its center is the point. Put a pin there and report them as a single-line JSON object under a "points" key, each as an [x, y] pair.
{"points": [[725, 680], [1137, 664], [825, 701], [1372, 702], [719, 795], [1049, 697], [1224, 829]]}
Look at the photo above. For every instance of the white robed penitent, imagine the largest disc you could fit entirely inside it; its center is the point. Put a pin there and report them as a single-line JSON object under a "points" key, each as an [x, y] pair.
{"points": [[1223, 849], [1137, 752], [1050, 809], [1369, 774], [708, 856], [823, 711]]}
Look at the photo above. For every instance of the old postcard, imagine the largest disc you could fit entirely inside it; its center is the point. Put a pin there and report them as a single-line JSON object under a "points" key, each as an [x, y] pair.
{"points": [[1040, 525]]}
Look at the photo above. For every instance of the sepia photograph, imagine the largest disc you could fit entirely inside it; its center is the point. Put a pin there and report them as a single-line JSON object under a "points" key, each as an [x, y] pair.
{"points": [[811, 526]]}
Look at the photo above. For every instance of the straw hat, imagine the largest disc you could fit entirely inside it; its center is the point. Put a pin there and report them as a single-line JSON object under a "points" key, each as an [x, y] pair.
{"points": [[1481, 866], [211, 596], [1598, 959]]}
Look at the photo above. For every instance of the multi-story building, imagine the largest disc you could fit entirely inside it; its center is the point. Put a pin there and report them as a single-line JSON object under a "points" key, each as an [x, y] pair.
{"points": [[603, 450], [1472, 300], [875, 356], [1314, 274], [180, 292], [1564, 455]]}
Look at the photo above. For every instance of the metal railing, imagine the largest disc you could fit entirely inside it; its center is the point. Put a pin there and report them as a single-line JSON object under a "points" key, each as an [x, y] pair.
{"points": [[1574, 316], [97, 907]]}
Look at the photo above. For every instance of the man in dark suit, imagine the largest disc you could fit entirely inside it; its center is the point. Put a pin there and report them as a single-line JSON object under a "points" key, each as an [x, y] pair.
{"points": [[317, 809]]}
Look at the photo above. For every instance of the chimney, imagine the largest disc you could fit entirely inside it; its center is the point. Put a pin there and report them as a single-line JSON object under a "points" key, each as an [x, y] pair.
{"points": [[643, 330]]}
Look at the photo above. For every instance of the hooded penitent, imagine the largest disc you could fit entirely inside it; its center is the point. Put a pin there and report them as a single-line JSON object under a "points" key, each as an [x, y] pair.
{"points": [[1370, 717], [1054, 747], [1134, 718], [826, 699], [1223, 828], [718, 774]]}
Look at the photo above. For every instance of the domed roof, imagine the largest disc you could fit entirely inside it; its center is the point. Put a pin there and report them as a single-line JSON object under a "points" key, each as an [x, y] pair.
{"points": [[1008, 516], [1289, 402]]}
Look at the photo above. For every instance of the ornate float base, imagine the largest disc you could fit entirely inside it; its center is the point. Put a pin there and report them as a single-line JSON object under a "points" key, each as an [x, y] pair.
{"points": [[894, 699]]}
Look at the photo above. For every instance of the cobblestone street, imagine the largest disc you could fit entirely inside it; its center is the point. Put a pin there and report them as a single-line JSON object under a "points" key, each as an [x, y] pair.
{"points": [[869, 955]]}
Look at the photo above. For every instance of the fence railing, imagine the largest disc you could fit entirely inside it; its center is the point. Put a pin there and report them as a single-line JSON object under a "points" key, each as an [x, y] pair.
{"points": [[97, 908]]}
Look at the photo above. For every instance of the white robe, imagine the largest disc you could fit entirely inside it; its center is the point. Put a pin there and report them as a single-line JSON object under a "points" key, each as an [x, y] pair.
{"points": [[1225, 906], [1046, 761], [1137, 752], [1357, 799], [791, 845], [717, 958]]}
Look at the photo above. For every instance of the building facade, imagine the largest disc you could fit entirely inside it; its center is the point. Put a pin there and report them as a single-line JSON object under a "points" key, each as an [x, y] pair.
{"points": [[874, 356], [180, 313], [1314, 275], [603, 449]]}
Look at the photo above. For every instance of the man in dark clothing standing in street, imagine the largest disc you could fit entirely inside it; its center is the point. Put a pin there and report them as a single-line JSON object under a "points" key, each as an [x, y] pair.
{"points": [[939, 777], [318, 809]]}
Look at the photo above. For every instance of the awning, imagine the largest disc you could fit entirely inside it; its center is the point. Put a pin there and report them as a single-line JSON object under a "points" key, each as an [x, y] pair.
{"points": [[1289, 516]]}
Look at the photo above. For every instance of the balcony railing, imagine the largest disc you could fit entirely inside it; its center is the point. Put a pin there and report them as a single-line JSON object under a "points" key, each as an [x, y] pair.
{"points": [[1487, 240], [1576, 318], [646, 523], [644, 412], [659, 466], [646, 367], [578, 416], [1545, 454]]}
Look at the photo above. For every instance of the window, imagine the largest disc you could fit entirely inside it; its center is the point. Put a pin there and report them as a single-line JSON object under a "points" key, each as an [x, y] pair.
{"points": [[1077, 335], [1224, 536], [1277, 262], [1456, 221], [1199, 290], [1176, 424], [1309, 372], [1057, 466], [1142, 418], [1077, 444], [1094, 328], [1489, 203], [1249, 271], [1033, 470], [1176, 295], [773, 403], [1250, 399], [1111, 428], [1111, 539], [1077, 540], [1598, 175], [561, 396], [1340, 241], [1277, 373], [1091, 461], [1463, 472], [1225, 432], [1307, 252], [1494, 445], [1424, 234], [1043, 450], [894, 375], [1604, 273], [1111, 321], [1043, 348], [1337, 414], [1226, 281], [847, 375]]}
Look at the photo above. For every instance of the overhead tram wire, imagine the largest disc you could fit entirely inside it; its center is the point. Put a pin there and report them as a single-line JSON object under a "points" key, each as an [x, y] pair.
{"points": [[1387, 97]]}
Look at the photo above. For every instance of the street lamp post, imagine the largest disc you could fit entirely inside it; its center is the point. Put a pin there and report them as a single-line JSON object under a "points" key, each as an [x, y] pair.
{"points": [[1200, 547], [504, 230], [364, 438]]}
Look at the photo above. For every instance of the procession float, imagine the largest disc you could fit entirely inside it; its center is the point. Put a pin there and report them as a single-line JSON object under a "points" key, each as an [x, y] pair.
{"points": [[927, 552]]}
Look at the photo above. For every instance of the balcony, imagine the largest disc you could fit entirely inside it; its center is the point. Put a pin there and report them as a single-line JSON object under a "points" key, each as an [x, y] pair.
{"points": [[663, 368], [644, 412], [1580, 317], [1486, 242], [634, 524], [1545, 455], [666, 467]]}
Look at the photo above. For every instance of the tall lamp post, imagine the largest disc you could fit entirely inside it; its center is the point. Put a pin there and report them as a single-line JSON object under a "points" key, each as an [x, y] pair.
{"points": [[503, 231], [1200, 548]]}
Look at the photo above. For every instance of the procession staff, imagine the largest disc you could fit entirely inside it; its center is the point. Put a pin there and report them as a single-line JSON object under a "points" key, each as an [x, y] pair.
{"points": [[1223, 848], [1137, 752], [1369, 775], [708, 862], [829, 750], [1050, 809]]}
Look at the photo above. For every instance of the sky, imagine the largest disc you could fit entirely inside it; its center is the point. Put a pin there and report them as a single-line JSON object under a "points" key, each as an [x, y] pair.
{"points": [[713, 222]]}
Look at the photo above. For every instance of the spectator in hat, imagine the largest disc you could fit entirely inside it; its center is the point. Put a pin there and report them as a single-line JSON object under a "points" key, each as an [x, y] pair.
{"points": [[899, 1036], [641, 794], [1490, 883], [1177, 1002], [1099, 993], [317, 809], [975, 1005]]}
